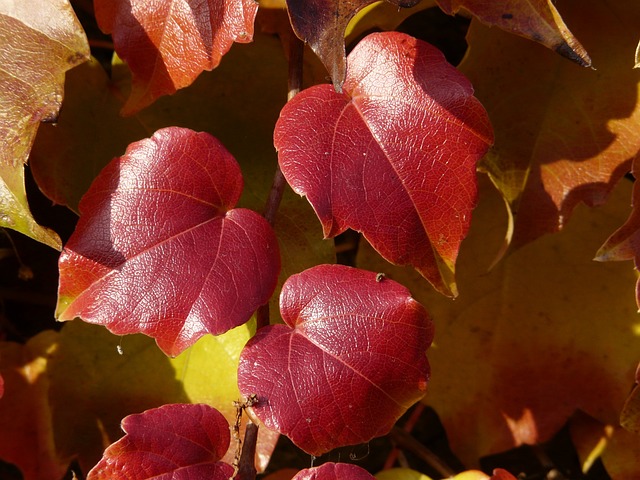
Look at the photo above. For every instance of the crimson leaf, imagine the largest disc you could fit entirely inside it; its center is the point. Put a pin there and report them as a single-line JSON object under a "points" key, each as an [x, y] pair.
{"points": [[334, 471], [394, 156], [159, 248], [177, 442], [348, 363]]}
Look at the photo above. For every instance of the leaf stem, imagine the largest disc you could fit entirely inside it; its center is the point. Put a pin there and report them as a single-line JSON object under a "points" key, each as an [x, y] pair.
{"points": [[406, 440], [247, 468], [294, 84]]}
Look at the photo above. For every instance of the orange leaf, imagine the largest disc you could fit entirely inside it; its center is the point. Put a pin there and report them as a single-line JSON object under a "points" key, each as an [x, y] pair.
{"points": [[167, 44], [25, 417], [537, 20], [528, 343], [564, 134]]}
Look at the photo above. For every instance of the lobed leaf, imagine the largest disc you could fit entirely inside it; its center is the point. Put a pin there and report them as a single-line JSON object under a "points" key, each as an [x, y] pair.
{"points": [[563, 135], [168, 43], [41, 40], [334, 471], [351, 356], [178, 442], [159, 248], [528, 343], [322, 24], [537, 20], [394, 156]]}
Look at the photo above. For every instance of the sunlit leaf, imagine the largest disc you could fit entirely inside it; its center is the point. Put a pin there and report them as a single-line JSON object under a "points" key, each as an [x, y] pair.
{"points": [[334, 471], [159, 248], [90, 133], [528, 343], [126, 375], [25, 414], [41, 40], [394, 156], [537, 20], [563, 135], [352, 355], [168, 43], [177, 441]]}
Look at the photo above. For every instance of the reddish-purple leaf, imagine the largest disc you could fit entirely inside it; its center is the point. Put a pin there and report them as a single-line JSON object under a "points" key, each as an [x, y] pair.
{"points": [[168, 43], [172, 442], [322, 23], [334, 471], [394, 156], [348, 363], [159, 248]]}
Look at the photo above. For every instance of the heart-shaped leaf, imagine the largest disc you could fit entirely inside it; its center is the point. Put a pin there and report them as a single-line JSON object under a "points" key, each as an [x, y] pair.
{"points": [[177, 441], [159, 248], [41, 40], [394, 156], [334, 471], [322, 24], [168, 43], [348, 363]]}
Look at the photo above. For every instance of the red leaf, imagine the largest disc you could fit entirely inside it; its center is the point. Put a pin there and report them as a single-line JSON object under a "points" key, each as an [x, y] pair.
{"points": [[178, 441], [394, 156], [322, 24], [348, 363], [159, 249], [167, 44], [334, 471]]}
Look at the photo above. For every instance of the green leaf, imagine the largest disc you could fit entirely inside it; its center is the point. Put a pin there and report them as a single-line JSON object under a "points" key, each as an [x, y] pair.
{"points": [[40, 40]]}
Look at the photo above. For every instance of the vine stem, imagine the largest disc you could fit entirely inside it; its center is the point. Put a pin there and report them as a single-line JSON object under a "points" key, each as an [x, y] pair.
{"points": [[247, 468], [294, 81]]}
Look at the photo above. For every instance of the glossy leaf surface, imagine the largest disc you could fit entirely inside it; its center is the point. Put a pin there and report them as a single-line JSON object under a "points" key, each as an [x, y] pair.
{"points": [[528, 343], [322, 24], [90, 133], [159, 248], [351, 354], [579, 135], [41, 40], [538, 20], [394, 156], [168, 43], [178, 441], [334, 471]]}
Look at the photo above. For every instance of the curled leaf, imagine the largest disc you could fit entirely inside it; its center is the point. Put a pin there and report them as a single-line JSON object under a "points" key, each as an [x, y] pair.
{"points": [[537, 20], [322, 24]]}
